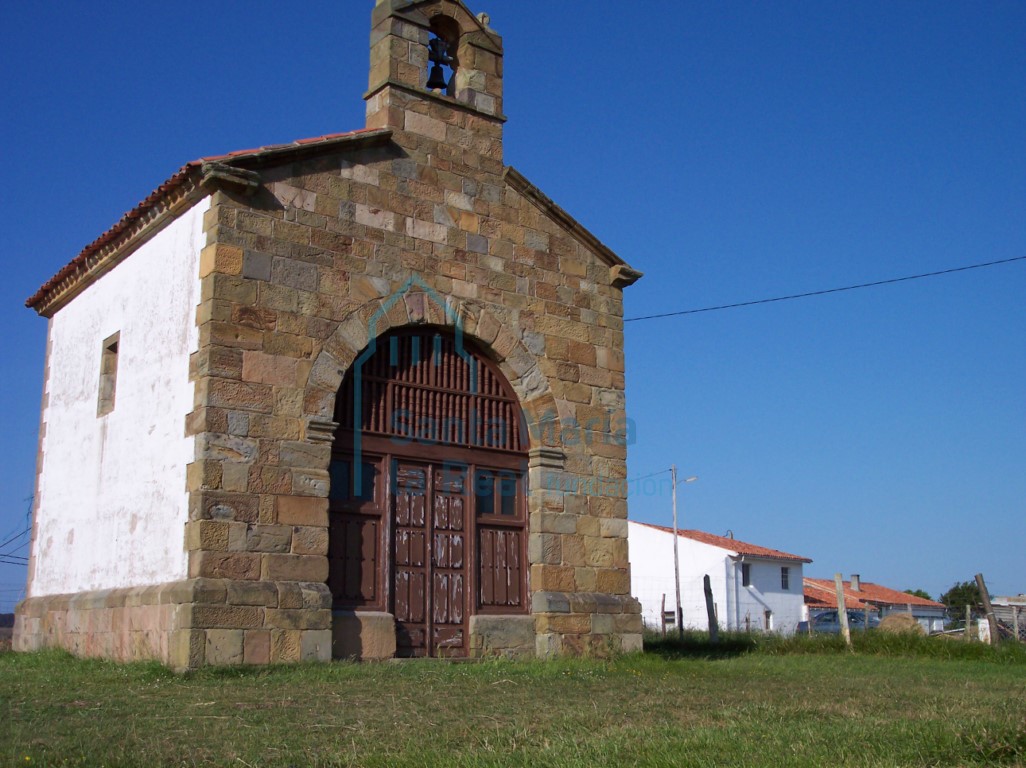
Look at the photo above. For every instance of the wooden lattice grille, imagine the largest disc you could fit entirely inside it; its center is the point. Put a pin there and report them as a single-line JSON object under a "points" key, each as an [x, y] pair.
{"points": [[426, 386]]}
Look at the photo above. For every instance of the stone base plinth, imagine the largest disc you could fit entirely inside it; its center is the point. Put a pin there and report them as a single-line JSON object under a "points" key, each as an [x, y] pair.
{"points": [[509, 636], [200, 622], [586, 623], [184, 624], [363, 636], [121, 624]]}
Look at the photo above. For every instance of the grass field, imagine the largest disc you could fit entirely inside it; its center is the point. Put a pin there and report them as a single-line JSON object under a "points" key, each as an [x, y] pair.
{"points": [[805, 702]]}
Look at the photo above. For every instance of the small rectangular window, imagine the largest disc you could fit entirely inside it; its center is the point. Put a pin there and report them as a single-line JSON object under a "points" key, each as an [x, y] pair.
{"points": [[366, 484], [344, 486], [108, 374], [508, 494], [497, 493], [785, 578], [746, 575], [340, 480], [484, 493]]}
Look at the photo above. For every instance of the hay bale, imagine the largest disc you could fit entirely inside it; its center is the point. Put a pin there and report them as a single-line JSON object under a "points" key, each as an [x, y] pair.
{"points": [[901, 622]]}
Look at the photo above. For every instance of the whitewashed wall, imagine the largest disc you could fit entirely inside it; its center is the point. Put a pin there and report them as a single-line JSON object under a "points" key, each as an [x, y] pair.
{"points": [[112, 499], [651, 555], [748, 605]]}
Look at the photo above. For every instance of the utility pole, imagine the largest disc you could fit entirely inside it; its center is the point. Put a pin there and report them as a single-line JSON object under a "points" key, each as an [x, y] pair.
{"points": [[676, 556]]}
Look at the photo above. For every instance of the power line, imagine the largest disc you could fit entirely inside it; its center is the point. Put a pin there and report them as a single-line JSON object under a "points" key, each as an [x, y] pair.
{"points": [[823, 292], [645, 477], [15, 537]]}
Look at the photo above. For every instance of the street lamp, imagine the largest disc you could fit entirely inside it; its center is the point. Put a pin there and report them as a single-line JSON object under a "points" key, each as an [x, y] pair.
{"points": [[676, 555]]}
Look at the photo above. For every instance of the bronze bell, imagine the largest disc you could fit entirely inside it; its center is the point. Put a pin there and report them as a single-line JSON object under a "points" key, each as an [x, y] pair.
{"points": [[436, 81]]}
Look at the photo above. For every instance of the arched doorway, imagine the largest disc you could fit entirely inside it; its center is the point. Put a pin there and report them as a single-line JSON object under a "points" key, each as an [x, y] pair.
{"points": [[428, 513]]}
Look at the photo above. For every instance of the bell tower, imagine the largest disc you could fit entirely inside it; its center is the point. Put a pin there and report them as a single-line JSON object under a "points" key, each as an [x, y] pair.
{"points": [[435, 66]]}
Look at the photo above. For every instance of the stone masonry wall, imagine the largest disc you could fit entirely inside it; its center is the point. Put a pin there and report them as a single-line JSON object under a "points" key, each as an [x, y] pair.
{"points": [[292, 278], [183, 624]]}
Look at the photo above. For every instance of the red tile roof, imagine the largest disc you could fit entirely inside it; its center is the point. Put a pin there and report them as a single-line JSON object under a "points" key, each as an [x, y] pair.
{"points": [[732, 545], [822, 592], [815, 598], [81, 264]]}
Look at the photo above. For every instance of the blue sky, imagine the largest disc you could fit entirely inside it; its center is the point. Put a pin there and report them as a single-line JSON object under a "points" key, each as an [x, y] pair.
{"points": [[731, 151]]}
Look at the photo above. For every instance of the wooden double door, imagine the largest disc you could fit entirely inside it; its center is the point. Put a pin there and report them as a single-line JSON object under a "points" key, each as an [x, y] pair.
{"points": [[428, 489], [429, 559], [431, 542]]}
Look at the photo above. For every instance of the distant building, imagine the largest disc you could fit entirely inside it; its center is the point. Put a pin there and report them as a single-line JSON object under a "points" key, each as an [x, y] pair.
{"points": [[754, 588], [1011, 611], [821, 594]]}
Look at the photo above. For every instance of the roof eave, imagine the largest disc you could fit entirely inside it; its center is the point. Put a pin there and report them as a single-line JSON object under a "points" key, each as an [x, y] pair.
{"points": [[192, 182], [742, 556], [700, 537], [175, 196]]}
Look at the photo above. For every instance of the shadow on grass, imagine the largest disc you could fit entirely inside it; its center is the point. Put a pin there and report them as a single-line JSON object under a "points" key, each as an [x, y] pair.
{"points": [[697, 645]]}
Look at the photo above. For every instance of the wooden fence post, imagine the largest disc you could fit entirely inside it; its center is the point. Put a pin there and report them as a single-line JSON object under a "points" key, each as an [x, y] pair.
{"points": [[662, 614], [995, 633], [710, 609], [842, 612], [968, 623]]}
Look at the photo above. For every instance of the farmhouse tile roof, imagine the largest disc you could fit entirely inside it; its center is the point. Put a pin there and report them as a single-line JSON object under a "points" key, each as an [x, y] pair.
{"points": [[822, 593], [817, 598], [733, 545]]}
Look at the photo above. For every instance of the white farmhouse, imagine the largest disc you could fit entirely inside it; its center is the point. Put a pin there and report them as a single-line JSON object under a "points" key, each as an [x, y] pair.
{"points": [[754, 588]]}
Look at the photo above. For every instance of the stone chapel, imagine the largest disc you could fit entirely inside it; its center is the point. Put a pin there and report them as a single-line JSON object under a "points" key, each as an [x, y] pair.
{"points": [[356, 396]]}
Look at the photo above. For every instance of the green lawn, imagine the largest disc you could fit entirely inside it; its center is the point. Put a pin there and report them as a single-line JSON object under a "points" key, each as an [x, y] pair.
{"points": [[748, 706]]}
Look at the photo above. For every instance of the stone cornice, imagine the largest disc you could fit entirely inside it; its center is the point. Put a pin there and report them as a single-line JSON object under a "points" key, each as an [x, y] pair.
{"points": [[438, 98]]}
